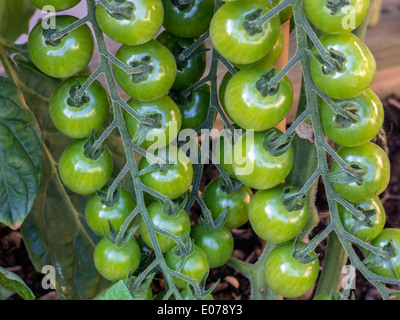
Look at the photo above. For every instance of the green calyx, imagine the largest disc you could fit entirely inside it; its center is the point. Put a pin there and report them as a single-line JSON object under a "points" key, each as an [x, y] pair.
{"points": [[273, 145], [264, 85], [52, 38], [108, 198], [336, 64], [121, 9], [75, 99], [292, 201], [183, 5], [352, 117], [252, 24], [336, 5], [141, 70], [89, 149]]}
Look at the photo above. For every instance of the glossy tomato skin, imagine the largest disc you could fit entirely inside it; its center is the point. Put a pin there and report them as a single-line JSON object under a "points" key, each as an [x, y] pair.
{"points": [[364, 233], [256, 167], [217, 245], [269, 218], [196, 265], [171, 120], [188, 71], [275, 53], [56, 4], [195, 108], [387, 235], [341, 20], [81, 174], [371, 113], [174, 181], [237, 203], [78, 120], [358, 71], [115, 263], [272, 56], [98, 214], [145, 21], [177, 225], [246, 106], [158, 81], [286, 276], [233, 42], [75, 48], [188, 21], [377, 165]]}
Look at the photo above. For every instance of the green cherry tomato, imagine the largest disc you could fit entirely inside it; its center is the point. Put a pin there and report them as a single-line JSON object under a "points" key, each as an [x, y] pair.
{"points": [[98, 214], [194, 108], [269, 218], [217, 245], [188, 20], [189, 71], [195, 267], [343, 17], [377, 165], [382, 240], [64, 57], [364, 232], [170, 119], [173, 181], [78, 117], [81, 174], [286, 276], [115, 263], [175, 224], [56, 4], [217, 200], [255, 166], [140, 24], [158, 76], [186, 295], [249, 108], [236, 44], [369, 108], [275, 53], [355, 71]]}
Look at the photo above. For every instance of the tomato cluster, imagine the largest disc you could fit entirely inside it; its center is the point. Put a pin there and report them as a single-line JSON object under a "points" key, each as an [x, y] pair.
{"points": [[160, 78], [347, 85]]}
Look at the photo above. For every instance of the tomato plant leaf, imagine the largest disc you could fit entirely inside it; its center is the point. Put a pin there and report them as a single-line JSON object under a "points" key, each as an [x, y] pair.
{"points": [[119, 291], [20, 156], [14, 18], [11, 283]]}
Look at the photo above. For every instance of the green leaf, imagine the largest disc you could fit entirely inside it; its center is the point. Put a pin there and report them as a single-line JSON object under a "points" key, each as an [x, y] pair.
{"points": [[14, 18], [20, 156], [55, 232], [10, 283], [119, 291]]}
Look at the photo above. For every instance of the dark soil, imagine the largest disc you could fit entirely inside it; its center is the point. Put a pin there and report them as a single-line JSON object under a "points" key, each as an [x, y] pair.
{"points": [[233, 285]]}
